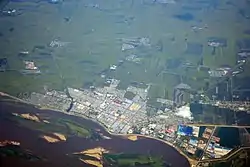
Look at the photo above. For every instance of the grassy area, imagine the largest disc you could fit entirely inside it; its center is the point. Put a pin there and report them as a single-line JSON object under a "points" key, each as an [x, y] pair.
{"points": [[129, 95], [130, 160], [74, 127], [66, 127], [94, 43], [16, 151]]}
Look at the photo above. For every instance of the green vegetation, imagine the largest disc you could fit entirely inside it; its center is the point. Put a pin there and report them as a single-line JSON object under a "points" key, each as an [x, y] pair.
{"points": [[93, 48], [129, 95], [16, 151], [132, 160], [74, 127], [64, 126]]}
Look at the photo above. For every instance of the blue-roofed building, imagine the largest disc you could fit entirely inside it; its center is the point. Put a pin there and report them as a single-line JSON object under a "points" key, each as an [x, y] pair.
{"points": [[184, 130]]}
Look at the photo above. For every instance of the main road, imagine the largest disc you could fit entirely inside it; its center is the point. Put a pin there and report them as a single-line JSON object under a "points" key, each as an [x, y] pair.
{"points": [[217, 125]]}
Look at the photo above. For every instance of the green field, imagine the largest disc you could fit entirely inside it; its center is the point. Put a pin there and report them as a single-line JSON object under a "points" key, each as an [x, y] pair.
{"points": [[94, 35], [74, 127], [17, 152], [130, 160], [64, 126]]}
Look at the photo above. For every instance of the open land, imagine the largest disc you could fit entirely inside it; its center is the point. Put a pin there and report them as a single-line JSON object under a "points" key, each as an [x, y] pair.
{"points": [[175, 32]]}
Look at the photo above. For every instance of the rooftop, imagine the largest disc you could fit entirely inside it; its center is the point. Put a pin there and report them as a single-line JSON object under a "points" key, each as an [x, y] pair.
{"points": [[182, 86]]}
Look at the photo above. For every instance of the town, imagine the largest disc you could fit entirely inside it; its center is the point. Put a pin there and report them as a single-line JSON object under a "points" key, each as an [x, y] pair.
{"points": [[183, 79], [121, 114], [111, 108]]}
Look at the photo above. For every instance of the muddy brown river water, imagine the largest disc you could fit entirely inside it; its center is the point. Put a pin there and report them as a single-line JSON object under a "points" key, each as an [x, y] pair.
{"points": [[56, 153]]}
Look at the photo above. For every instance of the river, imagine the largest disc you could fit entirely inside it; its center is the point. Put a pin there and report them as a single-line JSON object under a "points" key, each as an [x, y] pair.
{"points": [[56, 153]]}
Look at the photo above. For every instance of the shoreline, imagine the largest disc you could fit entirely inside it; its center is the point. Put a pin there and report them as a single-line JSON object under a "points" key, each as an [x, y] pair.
{"points": [[15, 99]]}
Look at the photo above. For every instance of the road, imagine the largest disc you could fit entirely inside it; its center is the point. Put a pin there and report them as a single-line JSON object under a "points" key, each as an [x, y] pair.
{"points": [[232, 105], [230, 155], [225, 77], [217, 125], [208, 142]]}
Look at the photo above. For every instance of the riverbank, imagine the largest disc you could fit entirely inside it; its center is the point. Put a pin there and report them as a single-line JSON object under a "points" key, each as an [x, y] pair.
{"points": [[191, 161], [100, 124]]}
